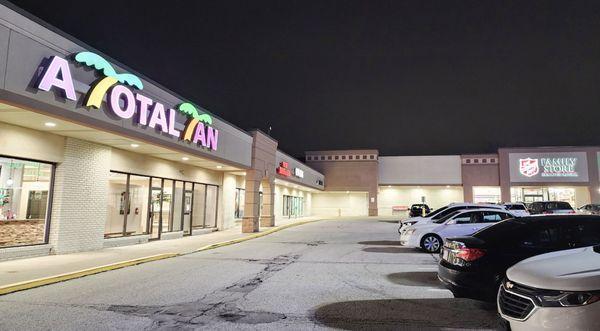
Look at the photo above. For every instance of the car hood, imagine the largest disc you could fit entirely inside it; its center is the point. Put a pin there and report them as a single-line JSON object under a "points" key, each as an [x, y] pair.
{"points": [[570, 270]]}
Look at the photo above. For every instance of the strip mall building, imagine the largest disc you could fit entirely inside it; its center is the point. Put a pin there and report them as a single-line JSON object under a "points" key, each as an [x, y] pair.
{"points": [[94, 155]]}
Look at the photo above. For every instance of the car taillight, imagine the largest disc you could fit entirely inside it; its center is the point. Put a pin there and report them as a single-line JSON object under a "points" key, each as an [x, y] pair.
{"points": [[572, 212], [470, 254]]}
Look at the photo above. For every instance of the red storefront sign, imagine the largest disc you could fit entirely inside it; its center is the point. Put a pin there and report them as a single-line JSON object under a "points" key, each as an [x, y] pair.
{"points": [[283, 169]]}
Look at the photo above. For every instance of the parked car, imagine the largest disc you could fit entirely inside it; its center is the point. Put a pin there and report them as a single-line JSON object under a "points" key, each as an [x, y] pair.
{"points": [[419, 209], [553, 291], [590, 209], [473, 266], [517, 208], [444, 211], [550, 207], [430, 236]]}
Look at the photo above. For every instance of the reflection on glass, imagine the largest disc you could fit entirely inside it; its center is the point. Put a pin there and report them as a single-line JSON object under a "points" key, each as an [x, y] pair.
{"points": [[138, 216], [198, 206], [116, 208], [211, 206], [167, 199], [155, 206], [177, 206], [24, 191], [187, 208]]}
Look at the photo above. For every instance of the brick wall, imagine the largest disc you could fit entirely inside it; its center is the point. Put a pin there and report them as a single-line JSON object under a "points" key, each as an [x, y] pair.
{"points": [[80, 197]]}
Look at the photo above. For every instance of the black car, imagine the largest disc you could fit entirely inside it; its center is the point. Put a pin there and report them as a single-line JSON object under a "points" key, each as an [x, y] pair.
{"points": [[418, 209], [474, 266], [550, 207]]}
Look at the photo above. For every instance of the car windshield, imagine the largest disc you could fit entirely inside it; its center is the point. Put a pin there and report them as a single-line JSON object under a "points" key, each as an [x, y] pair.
{"points": [[437, 211], [445, 218], [515, 207], [499, 230], [558, 205]]}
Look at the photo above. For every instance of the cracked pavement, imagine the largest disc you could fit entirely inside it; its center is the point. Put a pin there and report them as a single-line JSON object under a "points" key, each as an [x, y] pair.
{"points": [[326, 275]]}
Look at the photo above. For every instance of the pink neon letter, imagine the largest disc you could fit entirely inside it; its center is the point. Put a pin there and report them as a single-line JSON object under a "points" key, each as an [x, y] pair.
{"points": [[159, 117], [172, 131], [199, 135], [212, 137], [58, 66], [145, 102], [118, 92]]}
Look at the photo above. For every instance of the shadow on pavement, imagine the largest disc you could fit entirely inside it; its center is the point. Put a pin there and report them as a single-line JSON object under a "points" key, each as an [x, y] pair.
{"points": [[381, 243], [409, 314], [389, 250], [389, 221], [416, 278]]}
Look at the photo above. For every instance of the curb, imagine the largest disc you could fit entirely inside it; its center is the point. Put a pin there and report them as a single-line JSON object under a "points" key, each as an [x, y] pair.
{"points": [[29, 284], [80, 273]]}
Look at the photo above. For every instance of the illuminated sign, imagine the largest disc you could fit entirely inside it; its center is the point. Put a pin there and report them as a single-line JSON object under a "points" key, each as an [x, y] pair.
{"points": [[298, 172], [126, 104], [283, 169], [548, 167]]}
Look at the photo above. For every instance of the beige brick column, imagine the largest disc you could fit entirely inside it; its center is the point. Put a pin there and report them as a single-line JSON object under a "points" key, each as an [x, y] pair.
{"points": [[267, 218], [264, 149]]}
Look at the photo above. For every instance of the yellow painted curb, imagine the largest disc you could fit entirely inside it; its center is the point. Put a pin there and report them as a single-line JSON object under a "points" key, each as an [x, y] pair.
{"points": [[80, 273]]}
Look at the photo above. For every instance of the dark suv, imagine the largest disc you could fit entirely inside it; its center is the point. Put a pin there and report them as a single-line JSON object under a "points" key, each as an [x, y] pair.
{"points": [[473, 266], [417, 209], [550, 207]]}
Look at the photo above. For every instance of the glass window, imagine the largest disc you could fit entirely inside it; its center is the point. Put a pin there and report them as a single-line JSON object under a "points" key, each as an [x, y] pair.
{"points": [[198, 209], [24, 197], [137, 219], [212, 193], [167, 205], [178, 206], [464, 218], [493, 217], [118, 205], [239, 202], [546, 237]]}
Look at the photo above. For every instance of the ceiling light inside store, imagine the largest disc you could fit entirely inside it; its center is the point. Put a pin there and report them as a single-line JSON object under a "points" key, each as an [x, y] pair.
{"points": [[50, 124], [9, 182], [219, 167], [134, 145], [185, 158], [447, 186]]}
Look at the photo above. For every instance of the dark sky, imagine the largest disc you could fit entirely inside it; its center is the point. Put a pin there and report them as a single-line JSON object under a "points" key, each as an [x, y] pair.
{"points": [[407, 78]]}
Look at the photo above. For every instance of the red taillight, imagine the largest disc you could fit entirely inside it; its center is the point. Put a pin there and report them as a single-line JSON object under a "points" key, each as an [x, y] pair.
{"points": [[572, 212], [470, 254]]}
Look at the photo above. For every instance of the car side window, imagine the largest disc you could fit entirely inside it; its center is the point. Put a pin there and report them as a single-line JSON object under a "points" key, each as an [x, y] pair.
{"points": [[493, 217], [463, 218], [582, 234], [543, 237]]}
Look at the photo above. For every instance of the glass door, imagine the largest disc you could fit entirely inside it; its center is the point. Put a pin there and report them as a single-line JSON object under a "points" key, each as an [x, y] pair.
{"points": [[187, 209]]}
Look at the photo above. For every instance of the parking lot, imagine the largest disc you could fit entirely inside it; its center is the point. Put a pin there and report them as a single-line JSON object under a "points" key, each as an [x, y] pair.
{"points": [[332, 274]]}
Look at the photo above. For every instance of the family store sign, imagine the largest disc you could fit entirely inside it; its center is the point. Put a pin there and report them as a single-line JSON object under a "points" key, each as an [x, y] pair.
{"points": [[126, 104], [551, 167]]}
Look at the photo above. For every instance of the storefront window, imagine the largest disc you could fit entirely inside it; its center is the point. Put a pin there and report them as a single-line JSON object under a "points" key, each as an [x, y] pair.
{"points": [[293, 206], [240, 194], [25, 188], [167, 208], [118, 205], [178, 206], [198, 211], [137, 219], [212, 193], [486, 194]]}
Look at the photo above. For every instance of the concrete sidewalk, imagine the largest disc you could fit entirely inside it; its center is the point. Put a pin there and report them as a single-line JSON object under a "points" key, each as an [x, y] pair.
{"points": [[32, 272]]}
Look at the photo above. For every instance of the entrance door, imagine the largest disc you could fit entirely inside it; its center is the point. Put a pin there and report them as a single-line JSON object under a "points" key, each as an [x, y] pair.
{"points": [[155, 212]]}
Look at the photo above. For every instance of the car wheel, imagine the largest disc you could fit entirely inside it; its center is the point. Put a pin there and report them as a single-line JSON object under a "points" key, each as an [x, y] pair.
{"points": [[431, 243]]}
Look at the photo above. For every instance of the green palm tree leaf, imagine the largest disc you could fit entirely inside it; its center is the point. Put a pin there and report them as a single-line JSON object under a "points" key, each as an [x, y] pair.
{"points": [[130, 79], [189, 109], [96, 61]]}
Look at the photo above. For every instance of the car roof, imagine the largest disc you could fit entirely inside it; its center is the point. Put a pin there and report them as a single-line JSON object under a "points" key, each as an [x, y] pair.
{"points": [[555, 217], [458, 204], [483, 209]]}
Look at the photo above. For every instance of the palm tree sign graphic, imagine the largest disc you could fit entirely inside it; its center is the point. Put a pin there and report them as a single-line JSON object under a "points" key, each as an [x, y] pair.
{"points": [[97, 92]]}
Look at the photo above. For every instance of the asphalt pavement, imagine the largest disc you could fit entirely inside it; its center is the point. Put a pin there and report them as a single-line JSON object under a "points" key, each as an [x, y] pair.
{"points": [[350, 275]]}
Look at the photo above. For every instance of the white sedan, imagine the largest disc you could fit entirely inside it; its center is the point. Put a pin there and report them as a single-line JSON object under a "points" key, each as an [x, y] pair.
{"points": [[553, 291], [430, 236]]}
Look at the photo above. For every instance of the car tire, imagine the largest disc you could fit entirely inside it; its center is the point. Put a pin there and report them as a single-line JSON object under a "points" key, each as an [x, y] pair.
{"points": [[431, 243]]}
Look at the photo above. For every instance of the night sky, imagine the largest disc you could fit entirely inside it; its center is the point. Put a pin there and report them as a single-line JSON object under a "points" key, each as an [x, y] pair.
{"points": [[407, 78]]}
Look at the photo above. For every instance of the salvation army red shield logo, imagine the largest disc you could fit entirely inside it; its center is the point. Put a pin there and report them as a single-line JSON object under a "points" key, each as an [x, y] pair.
{"points": [[529, 167]]}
